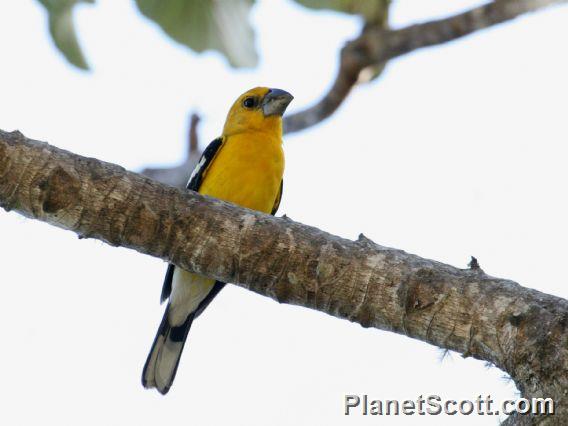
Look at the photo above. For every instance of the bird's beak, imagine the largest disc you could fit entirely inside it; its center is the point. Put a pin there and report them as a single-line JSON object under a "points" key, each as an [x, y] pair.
{"points": [[275, 102]]}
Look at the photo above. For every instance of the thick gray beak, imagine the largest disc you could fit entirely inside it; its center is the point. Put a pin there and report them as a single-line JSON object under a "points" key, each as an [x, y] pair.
{"points": [[275, 102]]}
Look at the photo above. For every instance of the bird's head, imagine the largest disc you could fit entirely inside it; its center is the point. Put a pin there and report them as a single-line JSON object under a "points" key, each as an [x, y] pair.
{"points": [[259, 109]]}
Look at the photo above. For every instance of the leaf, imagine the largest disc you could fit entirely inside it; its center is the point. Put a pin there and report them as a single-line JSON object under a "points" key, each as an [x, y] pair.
{"points": [[62, 29], [372, 11], [221, 25]]}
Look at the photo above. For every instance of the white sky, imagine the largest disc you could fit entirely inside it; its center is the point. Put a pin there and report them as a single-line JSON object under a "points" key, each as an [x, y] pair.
{"points": [[457, 150]]}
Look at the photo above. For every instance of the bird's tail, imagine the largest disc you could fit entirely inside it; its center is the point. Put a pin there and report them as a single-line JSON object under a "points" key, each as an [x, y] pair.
{"points": [[162, 363]]}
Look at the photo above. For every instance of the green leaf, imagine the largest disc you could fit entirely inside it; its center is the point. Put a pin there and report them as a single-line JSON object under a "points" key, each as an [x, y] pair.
{"points": [[62, 29], [221, 25], [372, 11]]}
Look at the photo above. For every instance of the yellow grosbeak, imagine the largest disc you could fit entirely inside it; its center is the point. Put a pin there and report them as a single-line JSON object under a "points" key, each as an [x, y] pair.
{"points": [[244, 166]]}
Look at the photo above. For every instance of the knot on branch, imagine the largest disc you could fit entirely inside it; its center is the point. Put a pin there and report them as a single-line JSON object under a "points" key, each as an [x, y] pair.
{"points": [[366, 242], [516, 318], [474, 265], [419, 295], [366, 50], [143, 225], [419, 291], [58, 191]]}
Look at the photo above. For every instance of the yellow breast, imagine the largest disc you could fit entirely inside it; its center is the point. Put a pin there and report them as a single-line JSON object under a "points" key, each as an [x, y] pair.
{"points": [[247, 171]]}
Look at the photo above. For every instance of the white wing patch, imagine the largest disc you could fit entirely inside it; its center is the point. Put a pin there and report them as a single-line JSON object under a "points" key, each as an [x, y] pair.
{"points": [[197, 169]]}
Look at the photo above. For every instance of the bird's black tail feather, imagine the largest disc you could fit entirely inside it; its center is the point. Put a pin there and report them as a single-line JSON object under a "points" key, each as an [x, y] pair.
{"points": [[163, 359]]}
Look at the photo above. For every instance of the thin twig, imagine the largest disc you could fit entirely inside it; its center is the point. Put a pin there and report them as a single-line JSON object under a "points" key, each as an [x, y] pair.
{"points": [[177, 175]]}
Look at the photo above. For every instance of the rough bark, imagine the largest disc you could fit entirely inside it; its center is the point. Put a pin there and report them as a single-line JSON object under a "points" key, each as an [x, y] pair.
{"points": [[375, 46], [521, 331]]}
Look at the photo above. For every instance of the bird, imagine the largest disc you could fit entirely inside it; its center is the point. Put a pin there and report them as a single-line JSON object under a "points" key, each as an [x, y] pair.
{"points": [[244, 166]]}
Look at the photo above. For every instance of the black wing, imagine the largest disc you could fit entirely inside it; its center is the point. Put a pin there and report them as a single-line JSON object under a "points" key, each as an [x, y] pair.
{"points": [[203, 164], [278, 198], [194, 183]]}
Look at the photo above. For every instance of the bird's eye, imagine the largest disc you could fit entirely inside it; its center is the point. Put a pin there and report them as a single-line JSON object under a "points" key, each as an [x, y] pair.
{"points": [[249, 102]]}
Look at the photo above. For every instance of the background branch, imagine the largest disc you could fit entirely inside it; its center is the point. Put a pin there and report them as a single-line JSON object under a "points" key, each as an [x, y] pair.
{"points": [[520, 330], [178, 175], [372, 49], [375, 46]]}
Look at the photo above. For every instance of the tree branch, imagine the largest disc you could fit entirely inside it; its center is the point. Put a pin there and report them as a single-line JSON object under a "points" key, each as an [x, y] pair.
{"points": [[178, 175], [376, 46], [520, 330]]}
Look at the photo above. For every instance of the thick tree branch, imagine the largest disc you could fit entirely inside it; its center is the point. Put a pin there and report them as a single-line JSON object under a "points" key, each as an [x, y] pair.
{"points": [[520, 330], [375, 46]]}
